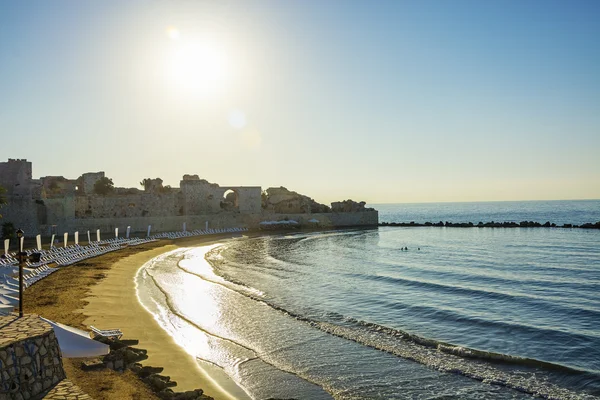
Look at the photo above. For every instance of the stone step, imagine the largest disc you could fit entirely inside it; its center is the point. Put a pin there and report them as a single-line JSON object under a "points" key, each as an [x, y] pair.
{"points": [[66, 390]]}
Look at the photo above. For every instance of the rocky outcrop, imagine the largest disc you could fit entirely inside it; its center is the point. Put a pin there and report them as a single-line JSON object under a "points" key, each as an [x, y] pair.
{"points": [[589, 225], [283, 201], [123, 357], [349, 206]]}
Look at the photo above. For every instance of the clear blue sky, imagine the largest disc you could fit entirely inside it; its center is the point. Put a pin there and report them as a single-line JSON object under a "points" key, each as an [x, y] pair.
{"points": [[397, 101]]}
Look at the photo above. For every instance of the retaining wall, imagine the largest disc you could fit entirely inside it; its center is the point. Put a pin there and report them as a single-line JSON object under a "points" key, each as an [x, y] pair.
{"points": [[220, 220], [30, 359]]}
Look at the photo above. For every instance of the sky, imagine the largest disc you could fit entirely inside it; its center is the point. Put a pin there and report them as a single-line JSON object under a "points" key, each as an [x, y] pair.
{"points": [[379, 101]]}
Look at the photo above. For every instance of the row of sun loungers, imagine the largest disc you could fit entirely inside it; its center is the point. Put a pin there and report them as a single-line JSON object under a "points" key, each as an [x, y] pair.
{"points": [[197, 232], [63, 256], [9, 287], [29, 278]]}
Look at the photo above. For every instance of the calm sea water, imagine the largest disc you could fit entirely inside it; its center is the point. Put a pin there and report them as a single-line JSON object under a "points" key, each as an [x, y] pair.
{"points": [[558, 211], [470, 313]]}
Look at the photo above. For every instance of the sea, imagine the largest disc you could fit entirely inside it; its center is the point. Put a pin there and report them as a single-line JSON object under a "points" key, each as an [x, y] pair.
{"points": [[395, 312]]}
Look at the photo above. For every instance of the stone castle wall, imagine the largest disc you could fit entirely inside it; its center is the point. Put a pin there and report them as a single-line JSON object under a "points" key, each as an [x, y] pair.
{"points": [[16, 176], [128, 206], [23, 212], [88, 180], [201, 197], [139, 225], [56, 204]]}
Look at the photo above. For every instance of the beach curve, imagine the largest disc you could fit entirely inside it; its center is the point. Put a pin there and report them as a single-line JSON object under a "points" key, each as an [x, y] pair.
{"points": [[113, 303]]}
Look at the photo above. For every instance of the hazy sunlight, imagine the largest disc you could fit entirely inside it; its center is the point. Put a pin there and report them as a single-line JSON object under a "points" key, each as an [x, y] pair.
{"points": [[201, 69]]}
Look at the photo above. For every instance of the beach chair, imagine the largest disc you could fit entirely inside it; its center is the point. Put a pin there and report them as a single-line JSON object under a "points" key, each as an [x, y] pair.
{"points": [[6, 309], [107, 333]]}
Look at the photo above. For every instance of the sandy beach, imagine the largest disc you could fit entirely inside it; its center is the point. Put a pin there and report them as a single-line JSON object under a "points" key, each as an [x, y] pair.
{"points": [[101, 292]]}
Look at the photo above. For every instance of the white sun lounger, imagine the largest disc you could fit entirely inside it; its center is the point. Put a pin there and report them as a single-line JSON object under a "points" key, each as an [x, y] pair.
{"points": [[107, 333], [6, 308]]}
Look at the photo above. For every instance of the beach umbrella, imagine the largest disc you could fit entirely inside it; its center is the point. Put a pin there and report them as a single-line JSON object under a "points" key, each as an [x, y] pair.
{"points": [[75, 343]]}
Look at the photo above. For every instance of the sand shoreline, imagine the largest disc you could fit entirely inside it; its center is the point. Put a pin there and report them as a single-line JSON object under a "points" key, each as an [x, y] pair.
{"points": [[113, 303], [101, 291]]}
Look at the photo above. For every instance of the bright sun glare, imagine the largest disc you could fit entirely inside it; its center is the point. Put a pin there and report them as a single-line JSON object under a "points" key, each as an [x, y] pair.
{"points": [[172, 33], [200, 68]]}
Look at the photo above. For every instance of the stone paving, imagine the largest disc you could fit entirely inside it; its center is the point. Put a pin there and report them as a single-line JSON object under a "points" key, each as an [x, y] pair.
{"points": [[66, 390], [14, 329]]}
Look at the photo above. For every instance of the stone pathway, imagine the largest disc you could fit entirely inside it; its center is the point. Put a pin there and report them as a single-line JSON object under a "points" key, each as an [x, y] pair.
{"points": [[14, 329], [66, 390]]}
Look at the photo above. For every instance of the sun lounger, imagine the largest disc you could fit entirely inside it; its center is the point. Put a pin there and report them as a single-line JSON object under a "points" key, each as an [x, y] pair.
{"points": [[6, 309], [107, 333]]}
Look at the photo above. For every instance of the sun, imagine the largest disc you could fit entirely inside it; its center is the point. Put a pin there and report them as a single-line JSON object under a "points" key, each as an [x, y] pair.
{"points": [[172, 33], [201, 68]]}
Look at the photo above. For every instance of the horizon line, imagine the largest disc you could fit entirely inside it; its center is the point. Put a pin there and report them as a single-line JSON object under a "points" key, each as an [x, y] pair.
{"points": [[479, 201]]}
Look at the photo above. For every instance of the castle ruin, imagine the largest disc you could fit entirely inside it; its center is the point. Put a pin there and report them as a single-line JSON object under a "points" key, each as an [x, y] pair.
{"points": [[55, 204]]}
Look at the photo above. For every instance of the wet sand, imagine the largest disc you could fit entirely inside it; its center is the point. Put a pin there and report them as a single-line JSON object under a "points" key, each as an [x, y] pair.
{"points": [[113, 303]]}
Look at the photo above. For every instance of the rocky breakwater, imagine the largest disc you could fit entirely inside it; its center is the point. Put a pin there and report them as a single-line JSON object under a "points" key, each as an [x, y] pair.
{"points": [[492, 224], [30, 359], [123, 357]]}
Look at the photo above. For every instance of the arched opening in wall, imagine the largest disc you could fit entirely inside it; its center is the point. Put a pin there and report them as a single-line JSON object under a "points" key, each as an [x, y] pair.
{"points": [[230, 200]]}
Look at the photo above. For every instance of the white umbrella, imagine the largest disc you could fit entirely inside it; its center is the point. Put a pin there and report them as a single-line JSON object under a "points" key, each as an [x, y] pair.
{"points": [[76, 343]]}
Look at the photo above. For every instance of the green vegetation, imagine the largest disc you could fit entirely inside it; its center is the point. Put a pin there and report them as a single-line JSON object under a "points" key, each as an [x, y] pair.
{"points": [[146, 183], [104, 186], [2, 198], [8, 230]]}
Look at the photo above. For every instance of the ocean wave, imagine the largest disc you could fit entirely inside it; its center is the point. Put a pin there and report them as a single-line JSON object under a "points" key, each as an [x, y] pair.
{"points": [[475, 293], [445, 357], [247, 355]]}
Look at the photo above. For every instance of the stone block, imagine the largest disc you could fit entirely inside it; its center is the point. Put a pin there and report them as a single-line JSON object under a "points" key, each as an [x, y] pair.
{"points": [[47, 384]]}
